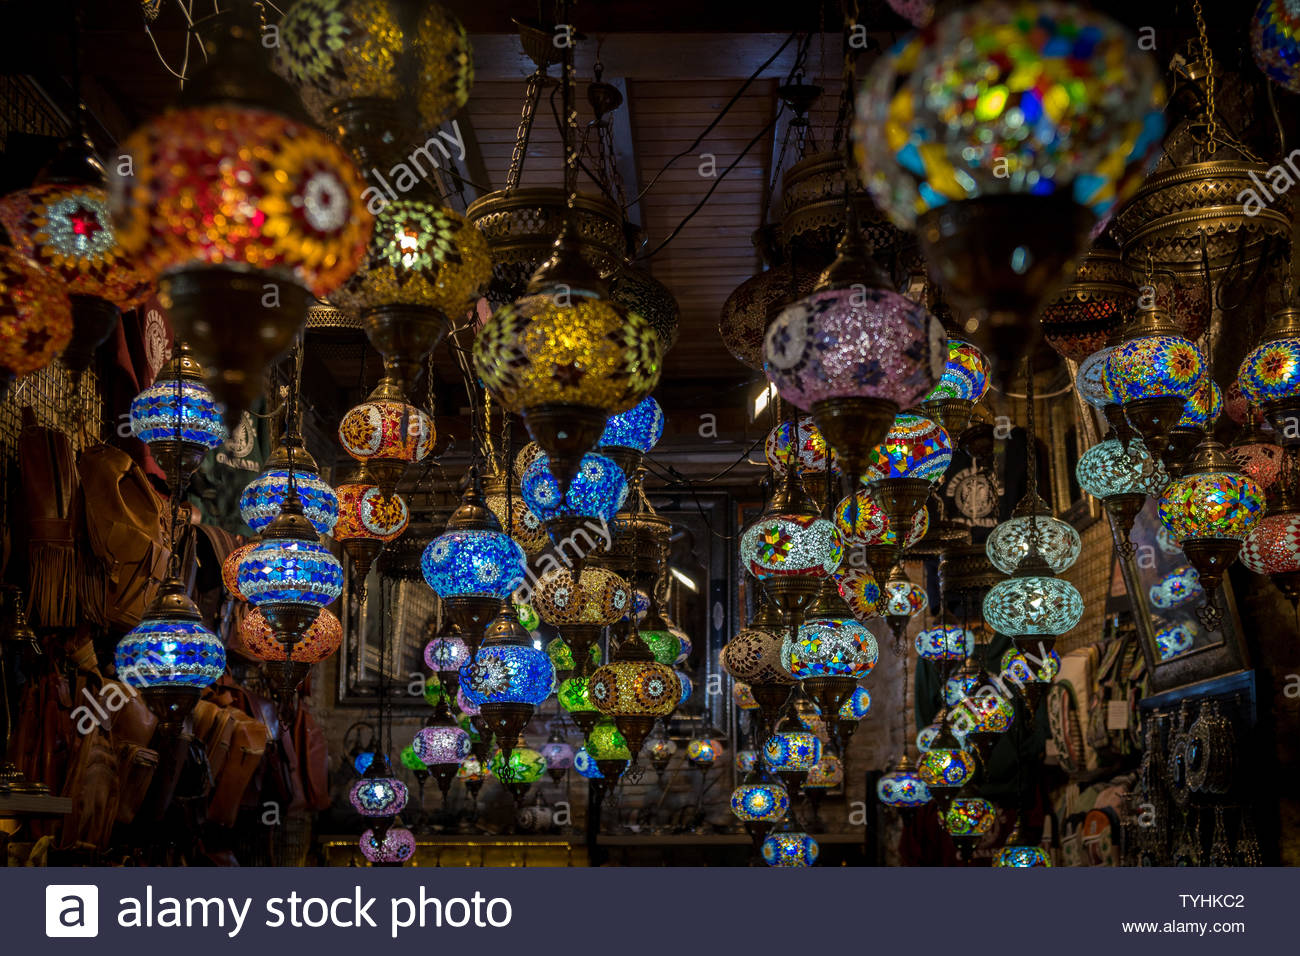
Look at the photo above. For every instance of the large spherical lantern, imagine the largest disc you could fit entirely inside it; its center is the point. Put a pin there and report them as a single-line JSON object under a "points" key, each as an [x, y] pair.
{"points": [[792, 751], [1270, 373], [179, 419], [760, 802], [1056, 540], [558, 754], [1209, 510], [862, 523], [367, 520], [969, 818], [323, 638], [964, 382], [1034, 605], [566, 358], [393, 847], [902, 787], [581, 605], [386, 433], [345, 55], [1121, 475], [630, 434], [441, 747], [261, 499], [508, 677], [595, 492], [635, 690], [799, 441], [1272, 547], [230, 196], [828, 657], [853, 353], [35, 317], [1153, 372], [947, 766], [790, 849], [290, 575], [1275, 42]]}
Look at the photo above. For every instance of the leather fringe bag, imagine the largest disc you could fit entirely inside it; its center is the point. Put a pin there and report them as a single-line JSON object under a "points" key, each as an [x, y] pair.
{"points": [[49, 479]]}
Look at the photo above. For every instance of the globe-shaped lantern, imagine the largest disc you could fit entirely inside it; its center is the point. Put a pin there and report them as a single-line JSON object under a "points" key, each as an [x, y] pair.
{"points": [[574, 695], [1270, 373], [581, 605], [854, 353], [1272, 547], [945, 643], [983, 715], [862, 523], [230, 195], [742, 695], [969, 818], [367, 66], [423, 270], [392, 847], [635, 690], [473, 565], [1209, 510], [508, 677], [903, 600], [566, 358], [745, 761], [1057, 541], [861, 592], [386, 433], [790, 849], [703, 752], [1122, 476], [585, 764], [558, 754], [323, 638], [1034, 606], [230, 569], [518, 770], [261, 498], [596, 491], [1030, 673], [446, 653], [825, 774], [441, 744], [609, 748], [1258, 454], [828, 657], [760, 802], [178, 418], [947, 766], [964, 381], [378, 793], [1273, 42], [1090, 309], [663, 644], [408, 760], [630, 434], [1092, 379], [1153, 372], [902, 787], [367, 520], [902, 468], [959, 133], [856, 705], [290, 575], [792, 751], [800, 441], [170, 656], [1020, 853]]}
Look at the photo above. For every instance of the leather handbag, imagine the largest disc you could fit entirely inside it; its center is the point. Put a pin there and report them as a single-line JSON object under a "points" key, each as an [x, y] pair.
{"points": [[49, 481], [247, 748], [124, 526], [313, 760], [93, 786], [136, 766]]}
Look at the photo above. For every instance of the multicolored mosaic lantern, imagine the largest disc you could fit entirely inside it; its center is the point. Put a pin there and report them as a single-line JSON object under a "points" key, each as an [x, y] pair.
{"points": [[1174, 640], [970, 817], [441, 745], [1270, 373], [1030, 99], [778, 545], [367, 520], [1153, 372], [903, 600], [446, 653], [810, 452], [946, 767], [393, 847], [261, 499], [703, 752], [1209, 510], [902, 787], [1019, 854], [964, 382], [830, 648], [861, 522], [790, 849], [792, 751], [386, 433], [1176, 588], [858, 588], [945, 643], [35, 317], [1275, 42], [825, 774], [178, 417], [378, 793], [915, 447], [635, 690], [760, 802]]}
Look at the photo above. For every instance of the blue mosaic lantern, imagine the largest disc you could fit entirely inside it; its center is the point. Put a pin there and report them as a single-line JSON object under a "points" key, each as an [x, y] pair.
{"points": [[290, 575], [585, 764], [760, 802], [639, 428], [507, 678], [792, 751], [170, 655], [378, 793], [902, 787], [177, 417], [474, 563], [596, 492], [945, 643], [856, 706], [687, 687], [790, 849], [261, 500]]}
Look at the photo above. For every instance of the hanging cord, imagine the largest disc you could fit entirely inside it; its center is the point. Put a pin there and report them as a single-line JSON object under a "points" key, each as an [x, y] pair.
{"points": [[1031, 453], [570, 116], [175, 562]]}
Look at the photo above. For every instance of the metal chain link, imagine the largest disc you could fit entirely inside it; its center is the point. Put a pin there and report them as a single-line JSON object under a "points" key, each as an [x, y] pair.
{"points": [[1212, 124]]}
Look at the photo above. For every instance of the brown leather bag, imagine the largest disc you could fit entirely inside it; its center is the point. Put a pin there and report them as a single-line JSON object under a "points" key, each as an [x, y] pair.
{"points": [[49, 480], [136, 766], [93, 787], [124, 525], [247, 748], [313, 760]]}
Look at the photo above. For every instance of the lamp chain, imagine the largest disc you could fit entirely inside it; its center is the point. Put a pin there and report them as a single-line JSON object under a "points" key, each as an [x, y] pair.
{"points": [[1031, 455], [1212, 124]]}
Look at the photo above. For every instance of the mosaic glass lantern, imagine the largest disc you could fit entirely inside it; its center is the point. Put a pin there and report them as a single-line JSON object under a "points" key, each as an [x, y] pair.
{"points": [[448, 653], [1122, 476], [1033, 604], [663, 644], [777, 545], [945, 643], [687, 687], [903, 600], [1153, 372], [790, 849], [856, 706], [761, 802], [742, 695], [825, 774], [585, 764], [1270, 373], [1176, 588], [630, 434], [1008, 99], [387, 433], [1017, 669], [969, 817], [1258, 455], [1273, 547], [524, 766], [228, 193], [170, 655], [1092, 380], [566, 358], [947, 766], [861, 522], [964, 382], [1174, 640], [178, 417], [558, 754], [290, 575], [367, 520], [520, 522], [753, 655], [792, 751], [1056, 540], [597, 490], [961, 685], [477, 563], [1274, 33], [809, 452], [609, 748], [393, 847], [323, 638], [574, 695], [441, 744], [915, 447], [1089, 310], [562, 655], [853, 356], [1021, 855], [635, 690], [830, 648], [745, 761], [858, 588], [1209, 510], [902, 787], [703, 751], [378, 793], [508, 674], [261, 499]]}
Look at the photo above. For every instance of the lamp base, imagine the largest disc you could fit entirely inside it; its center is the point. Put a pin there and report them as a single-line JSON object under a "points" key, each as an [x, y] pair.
{"points": [[1211, 557], [171, 705], [1153, 418], [289, 622], [1180, 445], [472, 614], [179, 460], [506, 721], [1123, 511], [853, 426], [952, 413], [900, 499], [635, 728]]}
